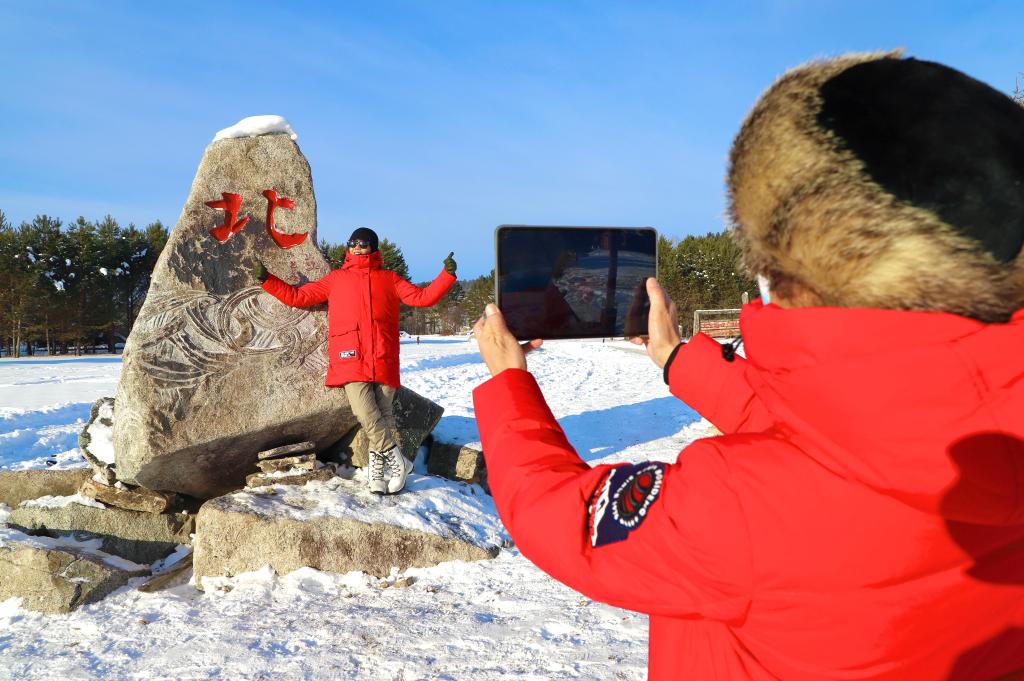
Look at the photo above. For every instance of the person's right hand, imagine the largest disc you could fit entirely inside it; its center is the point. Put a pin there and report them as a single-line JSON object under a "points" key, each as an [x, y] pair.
{"points": [[259, 271], [498, 347], [662, 325]]}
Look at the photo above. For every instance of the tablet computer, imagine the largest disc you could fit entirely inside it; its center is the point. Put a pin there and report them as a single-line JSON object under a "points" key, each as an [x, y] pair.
{"points": [[574, 282]]}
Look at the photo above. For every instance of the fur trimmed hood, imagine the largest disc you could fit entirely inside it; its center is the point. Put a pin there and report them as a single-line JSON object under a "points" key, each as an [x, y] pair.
{"points": [[877, 181]]}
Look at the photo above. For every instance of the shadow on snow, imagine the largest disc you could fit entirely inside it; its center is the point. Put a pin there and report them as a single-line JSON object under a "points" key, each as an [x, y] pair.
{"points": [[110, 359], [596, 434], [432, 341], [24, 436], [442, 362]]}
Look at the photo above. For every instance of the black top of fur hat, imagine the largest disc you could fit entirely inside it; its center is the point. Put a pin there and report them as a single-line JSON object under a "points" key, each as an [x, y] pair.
{"points": [[877, 181], [938, 139]]}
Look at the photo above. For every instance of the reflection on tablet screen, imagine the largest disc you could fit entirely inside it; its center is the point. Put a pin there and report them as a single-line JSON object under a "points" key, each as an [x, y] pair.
{"points": [[574, 282]]}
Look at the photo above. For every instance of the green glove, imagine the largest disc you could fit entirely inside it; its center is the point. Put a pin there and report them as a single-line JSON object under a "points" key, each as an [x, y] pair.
{"points": [[449, 264], [259, 271]]}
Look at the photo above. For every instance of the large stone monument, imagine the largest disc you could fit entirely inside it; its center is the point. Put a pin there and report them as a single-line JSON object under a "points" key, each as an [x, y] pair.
{"points": [[215, 369], [216, 372]]}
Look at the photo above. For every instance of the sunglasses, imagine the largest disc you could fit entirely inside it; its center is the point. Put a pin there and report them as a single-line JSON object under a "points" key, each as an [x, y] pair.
{"points": [[361, 243]]}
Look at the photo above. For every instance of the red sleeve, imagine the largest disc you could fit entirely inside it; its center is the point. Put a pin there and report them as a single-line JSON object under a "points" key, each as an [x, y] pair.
{"points": [[313, 293], [716, 389], [424, 297], [679, 547]]}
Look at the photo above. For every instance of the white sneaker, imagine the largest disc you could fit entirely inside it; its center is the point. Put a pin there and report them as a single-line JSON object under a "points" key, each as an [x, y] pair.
{"points": [[398, 467], [375, 473]]}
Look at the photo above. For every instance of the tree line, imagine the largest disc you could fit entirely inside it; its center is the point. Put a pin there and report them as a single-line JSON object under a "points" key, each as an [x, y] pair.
{"points": [[698, 272], [70, 288], [77, 287], [456, 312], [703, 273]]}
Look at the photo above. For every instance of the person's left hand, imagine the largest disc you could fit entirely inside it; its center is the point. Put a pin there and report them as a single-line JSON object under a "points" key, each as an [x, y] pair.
{"points": [[498, 347], [450, 264], [259, 270]]}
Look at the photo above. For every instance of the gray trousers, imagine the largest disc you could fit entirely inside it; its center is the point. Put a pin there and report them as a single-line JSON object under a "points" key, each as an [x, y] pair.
{"points": [[371, 404]]}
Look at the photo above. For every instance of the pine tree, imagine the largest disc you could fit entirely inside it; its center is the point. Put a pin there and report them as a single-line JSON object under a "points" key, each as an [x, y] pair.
{"points": [[702, 272], [479, 292], [390, 254], [393, 259]]}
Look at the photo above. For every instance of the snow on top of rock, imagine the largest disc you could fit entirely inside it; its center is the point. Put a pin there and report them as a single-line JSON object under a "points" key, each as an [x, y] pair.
{"points": [[61, 502], [101, 434], [428, 504], [257, 125], [91, 547]]}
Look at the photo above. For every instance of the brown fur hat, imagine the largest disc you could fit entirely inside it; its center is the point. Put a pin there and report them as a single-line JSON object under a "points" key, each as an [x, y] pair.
{"points": [[876, 181]]}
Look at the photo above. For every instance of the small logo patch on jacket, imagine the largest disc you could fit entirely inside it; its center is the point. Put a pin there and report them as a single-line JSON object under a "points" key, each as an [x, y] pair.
{"points": [[620, 503], [346, 354]]}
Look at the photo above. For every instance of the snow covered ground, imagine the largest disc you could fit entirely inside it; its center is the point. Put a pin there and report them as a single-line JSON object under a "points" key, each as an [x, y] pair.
{"points": [[493, 619], [44, 404]]}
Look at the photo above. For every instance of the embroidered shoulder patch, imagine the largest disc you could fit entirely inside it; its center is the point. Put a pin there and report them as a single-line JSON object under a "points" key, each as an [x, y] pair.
{"points": [[622, 500]]}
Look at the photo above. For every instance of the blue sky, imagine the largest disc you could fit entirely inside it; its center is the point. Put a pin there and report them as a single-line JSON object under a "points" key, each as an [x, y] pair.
{"points": [[433, 122]]}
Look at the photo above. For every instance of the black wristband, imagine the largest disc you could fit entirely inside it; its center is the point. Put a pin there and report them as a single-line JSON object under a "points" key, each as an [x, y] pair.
{"points": [[668, 362]]}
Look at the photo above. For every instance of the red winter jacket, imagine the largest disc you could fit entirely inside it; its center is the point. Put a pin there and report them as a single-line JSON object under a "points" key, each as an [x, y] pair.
{"points": [[862, 517], [362, 315]]}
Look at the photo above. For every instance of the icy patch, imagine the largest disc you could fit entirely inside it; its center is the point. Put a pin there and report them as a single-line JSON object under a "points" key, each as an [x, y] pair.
{"points": [[91, 547], [170, 561], [61, 502], [254, 126], [71, 458], [428, 504]]}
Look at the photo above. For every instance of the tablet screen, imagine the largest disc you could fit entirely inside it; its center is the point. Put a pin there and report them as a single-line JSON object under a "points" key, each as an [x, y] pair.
{"points": [[574, 282]]}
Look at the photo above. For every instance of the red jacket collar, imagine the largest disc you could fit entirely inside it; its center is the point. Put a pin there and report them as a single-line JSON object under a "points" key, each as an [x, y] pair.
{"points": [[890, 397], [781, 339], [373, 261]]}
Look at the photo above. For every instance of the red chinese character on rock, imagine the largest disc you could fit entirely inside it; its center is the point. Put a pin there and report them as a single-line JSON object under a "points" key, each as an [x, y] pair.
{"points": [[230, 204], [281, 239]]}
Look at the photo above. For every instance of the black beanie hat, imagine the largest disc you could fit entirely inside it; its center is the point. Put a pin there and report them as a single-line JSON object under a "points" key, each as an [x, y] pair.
{"points": [[366, 234], [878, 181]]}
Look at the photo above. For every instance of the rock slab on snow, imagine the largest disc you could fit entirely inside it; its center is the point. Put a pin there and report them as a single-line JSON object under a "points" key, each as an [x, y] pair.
{"points": [[19, 486], [299, 527], [130, 499], [215, 369], [299, 477], [415, 417], [139, 537], [302, 462], [55, 578], [286, 450], [457, 462]]}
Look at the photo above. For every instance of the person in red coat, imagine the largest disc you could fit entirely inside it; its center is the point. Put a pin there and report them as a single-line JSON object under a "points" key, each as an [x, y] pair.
{"points": [[362, 318], [862, 514]]}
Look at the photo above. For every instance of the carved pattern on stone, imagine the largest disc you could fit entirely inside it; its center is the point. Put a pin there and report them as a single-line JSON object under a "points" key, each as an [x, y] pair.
{"points": [[197, 336]]}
